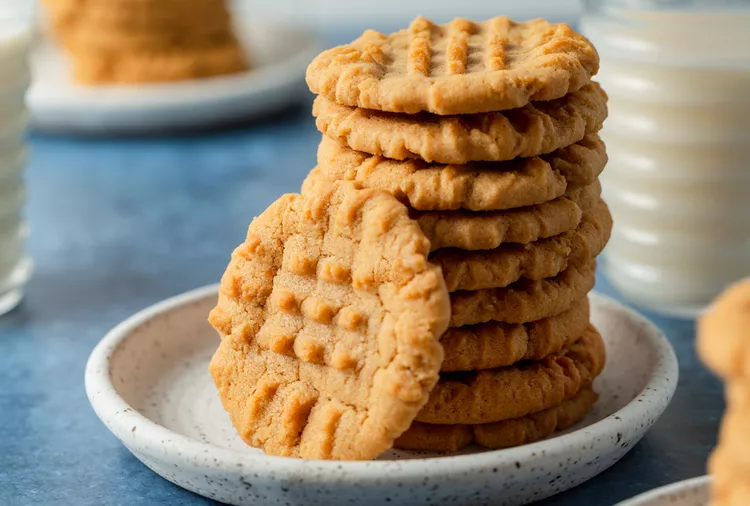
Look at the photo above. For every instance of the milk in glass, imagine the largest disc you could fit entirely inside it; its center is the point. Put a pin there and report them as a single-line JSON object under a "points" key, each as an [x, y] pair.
{"points": [[678, 137], [15, 41]]}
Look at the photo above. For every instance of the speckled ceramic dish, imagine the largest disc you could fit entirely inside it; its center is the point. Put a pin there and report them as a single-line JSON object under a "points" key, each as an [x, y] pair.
{"points": [[685, 493], [148, 381]]}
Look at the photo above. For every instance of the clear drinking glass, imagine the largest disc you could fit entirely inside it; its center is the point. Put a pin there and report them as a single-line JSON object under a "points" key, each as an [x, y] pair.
{"points": [[16, 34], [677, 73]]}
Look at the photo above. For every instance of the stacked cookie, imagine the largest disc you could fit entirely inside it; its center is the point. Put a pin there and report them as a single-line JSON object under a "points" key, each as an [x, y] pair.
{"points": [[488, 133], [723, 344], [135, 41]]}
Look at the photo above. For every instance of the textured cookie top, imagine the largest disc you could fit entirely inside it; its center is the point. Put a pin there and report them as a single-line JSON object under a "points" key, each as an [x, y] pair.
{"points": [[535, 129], [724, 333], [478, 186], [457, 68], [330, 316]]}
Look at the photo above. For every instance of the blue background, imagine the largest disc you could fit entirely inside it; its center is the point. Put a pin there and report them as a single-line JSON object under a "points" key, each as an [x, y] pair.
{"points": [[120, 224]]}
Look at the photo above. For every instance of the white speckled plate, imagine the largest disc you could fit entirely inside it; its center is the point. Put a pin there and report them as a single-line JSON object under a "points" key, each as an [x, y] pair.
{"points": [[280, 55], [148, 381], [693, 492]]}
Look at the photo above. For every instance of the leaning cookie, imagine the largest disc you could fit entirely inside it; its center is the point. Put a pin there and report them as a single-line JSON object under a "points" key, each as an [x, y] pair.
{"points": [[330, 316]]}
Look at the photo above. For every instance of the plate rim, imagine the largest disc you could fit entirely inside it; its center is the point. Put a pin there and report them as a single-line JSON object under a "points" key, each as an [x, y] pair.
{"points": [[119, 417], [679, 486]]}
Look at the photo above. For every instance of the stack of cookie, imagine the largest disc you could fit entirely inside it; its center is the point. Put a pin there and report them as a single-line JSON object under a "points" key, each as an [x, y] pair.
{"points": [[488, 133], [724, 345], [136, 41]]}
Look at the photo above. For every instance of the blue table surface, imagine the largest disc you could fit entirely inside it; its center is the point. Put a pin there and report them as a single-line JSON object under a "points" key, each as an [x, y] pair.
{"points": [[120, 224]]}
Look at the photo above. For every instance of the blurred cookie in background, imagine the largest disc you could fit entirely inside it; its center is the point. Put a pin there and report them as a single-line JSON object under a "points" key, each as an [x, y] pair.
{"points": [[140, 41]]}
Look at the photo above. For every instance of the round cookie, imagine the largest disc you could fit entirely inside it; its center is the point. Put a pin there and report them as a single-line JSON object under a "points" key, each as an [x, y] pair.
{"points": [[99, 39], [734, 435], [456, 68], [484, 230], [140, 16], [330, 315], [496, 344], [512, 392], [535, 129], [479, 186], [158, 66], [723, 333], [524, 301], [545, 258], [730, 485], [498, 435]]}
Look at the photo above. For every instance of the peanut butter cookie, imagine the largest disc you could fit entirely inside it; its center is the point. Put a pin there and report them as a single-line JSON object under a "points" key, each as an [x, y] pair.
{"points": [[498, 435], [483, 230], [545, 258], [495, 344], [493, 395], [330, 316], [487, 186], [457, 68], [525, 300], [535, 129]]}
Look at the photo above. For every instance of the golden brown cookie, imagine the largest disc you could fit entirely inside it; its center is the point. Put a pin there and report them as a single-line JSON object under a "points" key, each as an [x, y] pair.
{"points": [[483, 230], [480, 186], [330, 316], [498, 435], [140, 16], [495, 344], [99, 39], [723, 331], [545, 258], [734, 436], [512, 392], [158, 66], [730, 485], [535, 129], [456, 68], [525, 300]]}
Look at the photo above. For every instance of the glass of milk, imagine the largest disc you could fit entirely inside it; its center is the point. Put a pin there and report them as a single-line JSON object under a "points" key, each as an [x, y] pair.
{"points": [[15, 41], [677, 73]]}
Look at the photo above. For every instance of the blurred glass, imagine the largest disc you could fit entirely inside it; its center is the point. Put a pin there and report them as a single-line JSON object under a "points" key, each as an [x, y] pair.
{"points": [[678, 137], [16, 27]]}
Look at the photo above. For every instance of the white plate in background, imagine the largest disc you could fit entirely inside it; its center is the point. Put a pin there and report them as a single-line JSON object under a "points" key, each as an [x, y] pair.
{"points": [[280, 54], [148, 381], [693, 492]]}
